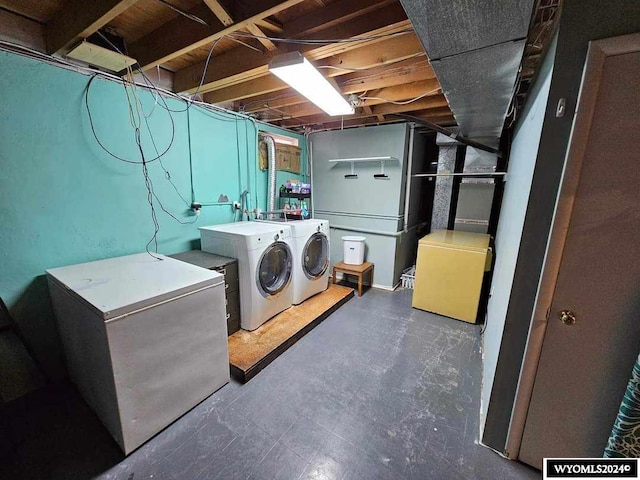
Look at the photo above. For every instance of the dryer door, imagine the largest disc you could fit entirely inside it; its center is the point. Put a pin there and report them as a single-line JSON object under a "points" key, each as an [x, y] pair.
{"points": [[274, 269], [315, 256]]}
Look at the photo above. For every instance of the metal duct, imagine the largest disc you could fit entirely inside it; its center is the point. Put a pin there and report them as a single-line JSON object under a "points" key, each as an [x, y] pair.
{"points": [[475, 48], [271, 155]]}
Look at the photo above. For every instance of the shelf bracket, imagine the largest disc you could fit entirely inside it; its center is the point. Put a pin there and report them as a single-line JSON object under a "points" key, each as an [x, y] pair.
{"points": [[381, 175], [353, 174]]}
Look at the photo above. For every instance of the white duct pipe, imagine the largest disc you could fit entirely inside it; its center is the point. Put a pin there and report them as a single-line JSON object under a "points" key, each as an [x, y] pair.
{"points": [[271, 155]]}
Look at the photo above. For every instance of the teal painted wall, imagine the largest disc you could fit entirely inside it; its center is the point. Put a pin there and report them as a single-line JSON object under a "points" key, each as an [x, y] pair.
{"points": [[63, 200]]}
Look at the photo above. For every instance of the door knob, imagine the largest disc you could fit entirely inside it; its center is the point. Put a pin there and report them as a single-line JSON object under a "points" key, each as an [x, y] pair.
{"points": [[567, 317]]}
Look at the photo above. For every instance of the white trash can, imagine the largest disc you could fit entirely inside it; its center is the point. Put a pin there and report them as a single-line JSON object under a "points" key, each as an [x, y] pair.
{"points": [[353, 250]]}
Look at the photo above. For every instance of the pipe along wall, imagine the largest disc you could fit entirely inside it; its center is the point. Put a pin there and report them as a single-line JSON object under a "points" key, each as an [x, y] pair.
{"points": [[64, 200]]}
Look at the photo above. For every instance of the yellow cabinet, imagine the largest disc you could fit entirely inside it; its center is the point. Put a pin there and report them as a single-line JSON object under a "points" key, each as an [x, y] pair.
{"points": [[449, 273]]}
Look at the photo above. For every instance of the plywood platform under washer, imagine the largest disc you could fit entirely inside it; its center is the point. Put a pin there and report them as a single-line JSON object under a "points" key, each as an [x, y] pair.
{"points": [[250, 352]]}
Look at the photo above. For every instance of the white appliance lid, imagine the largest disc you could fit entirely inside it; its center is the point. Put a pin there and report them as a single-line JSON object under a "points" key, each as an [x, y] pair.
{"points": [[299, 228], [247, 228], [117, 286]]}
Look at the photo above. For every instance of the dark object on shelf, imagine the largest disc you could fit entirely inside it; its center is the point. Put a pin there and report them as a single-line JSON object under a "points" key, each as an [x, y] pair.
{"points": [[229, 268], [351, 175], [299, 196]]}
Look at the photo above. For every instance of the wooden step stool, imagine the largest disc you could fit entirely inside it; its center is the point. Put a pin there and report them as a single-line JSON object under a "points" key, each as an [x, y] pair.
{"points": [[358, 270]]}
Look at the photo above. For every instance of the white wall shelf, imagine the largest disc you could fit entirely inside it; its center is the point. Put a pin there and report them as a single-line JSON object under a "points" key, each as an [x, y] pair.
{"points": [[353, 161]]}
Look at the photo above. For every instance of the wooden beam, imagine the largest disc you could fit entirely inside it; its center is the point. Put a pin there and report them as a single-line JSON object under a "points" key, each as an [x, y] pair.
{"points": [[79, 19], [22, 31], [225, 17], [249, 71], [329, 16], [220, 12], [389, 51], [270, 83], [406, 91], [405, 72], [231, 68], [309, 109], [383, 52], [362, 122], [437, 105], [381, 77], [159, 77], [261, 37], [289, 97], [181, 35], [244, 90], [270, 25], [281, 98]]}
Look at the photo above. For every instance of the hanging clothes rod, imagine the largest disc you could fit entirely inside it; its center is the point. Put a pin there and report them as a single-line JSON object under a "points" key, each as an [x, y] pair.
{"points": [[475, 174]]}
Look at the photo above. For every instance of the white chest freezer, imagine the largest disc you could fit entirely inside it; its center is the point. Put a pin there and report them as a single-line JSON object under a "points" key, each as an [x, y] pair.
{"points": [[145, 340]]}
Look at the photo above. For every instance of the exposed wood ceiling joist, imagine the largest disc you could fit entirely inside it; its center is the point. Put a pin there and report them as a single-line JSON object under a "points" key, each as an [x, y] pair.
{"points": [[393, 93], [362, 56], [270, 25], [375, 107], [181, 35], [261, 36], [79, 19], [22, 31], [408, 71], [219, 11], [225, 17], [231, 67], [438, 105], [446, 120]]}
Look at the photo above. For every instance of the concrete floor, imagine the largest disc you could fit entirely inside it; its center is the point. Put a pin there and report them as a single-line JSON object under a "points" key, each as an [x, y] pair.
{"points": [[377, 391]]}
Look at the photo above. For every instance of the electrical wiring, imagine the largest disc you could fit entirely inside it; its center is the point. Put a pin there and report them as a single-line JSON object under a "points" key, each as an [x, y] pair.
{"points": [[183, 13], [244, 44], [167, 175], [404, 102], [137, 115], [326, 41], [147, 83], [206, 66], [352, 69], [93, 130]]}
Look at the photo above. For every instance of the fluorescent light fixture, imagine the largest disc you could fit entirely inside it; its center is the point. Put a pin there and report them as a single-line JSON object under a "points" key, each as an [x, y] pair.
{"points": [[301, 75]]}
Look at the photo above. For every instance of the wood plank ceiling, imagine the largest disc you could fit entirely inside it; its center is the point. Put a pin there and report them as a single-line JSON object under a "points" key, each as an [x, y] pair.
{"points": [[367, 49]]}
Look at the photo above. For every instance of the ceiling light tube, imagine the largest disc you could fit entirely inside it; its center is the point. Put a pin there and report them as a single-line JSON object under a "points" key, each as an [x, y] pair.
{"points": [[300, 74]]}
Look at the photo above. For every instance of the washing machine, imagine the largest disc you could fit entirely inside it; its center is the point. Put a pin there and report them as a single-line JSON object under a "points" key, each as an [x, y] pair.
{"points": [[311, 254], [265, 266]]}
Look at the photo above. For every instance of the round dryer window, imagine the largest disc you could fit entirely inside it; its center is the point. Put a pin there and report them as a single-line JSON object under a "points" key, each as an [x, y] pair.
{"points": [[315, 256], [274, 269]]}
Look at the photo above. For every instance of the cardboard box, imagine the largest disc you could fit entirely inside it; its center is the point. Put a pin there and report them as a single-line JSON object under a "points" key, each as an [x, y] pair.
{"points": [[287, 157]]}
